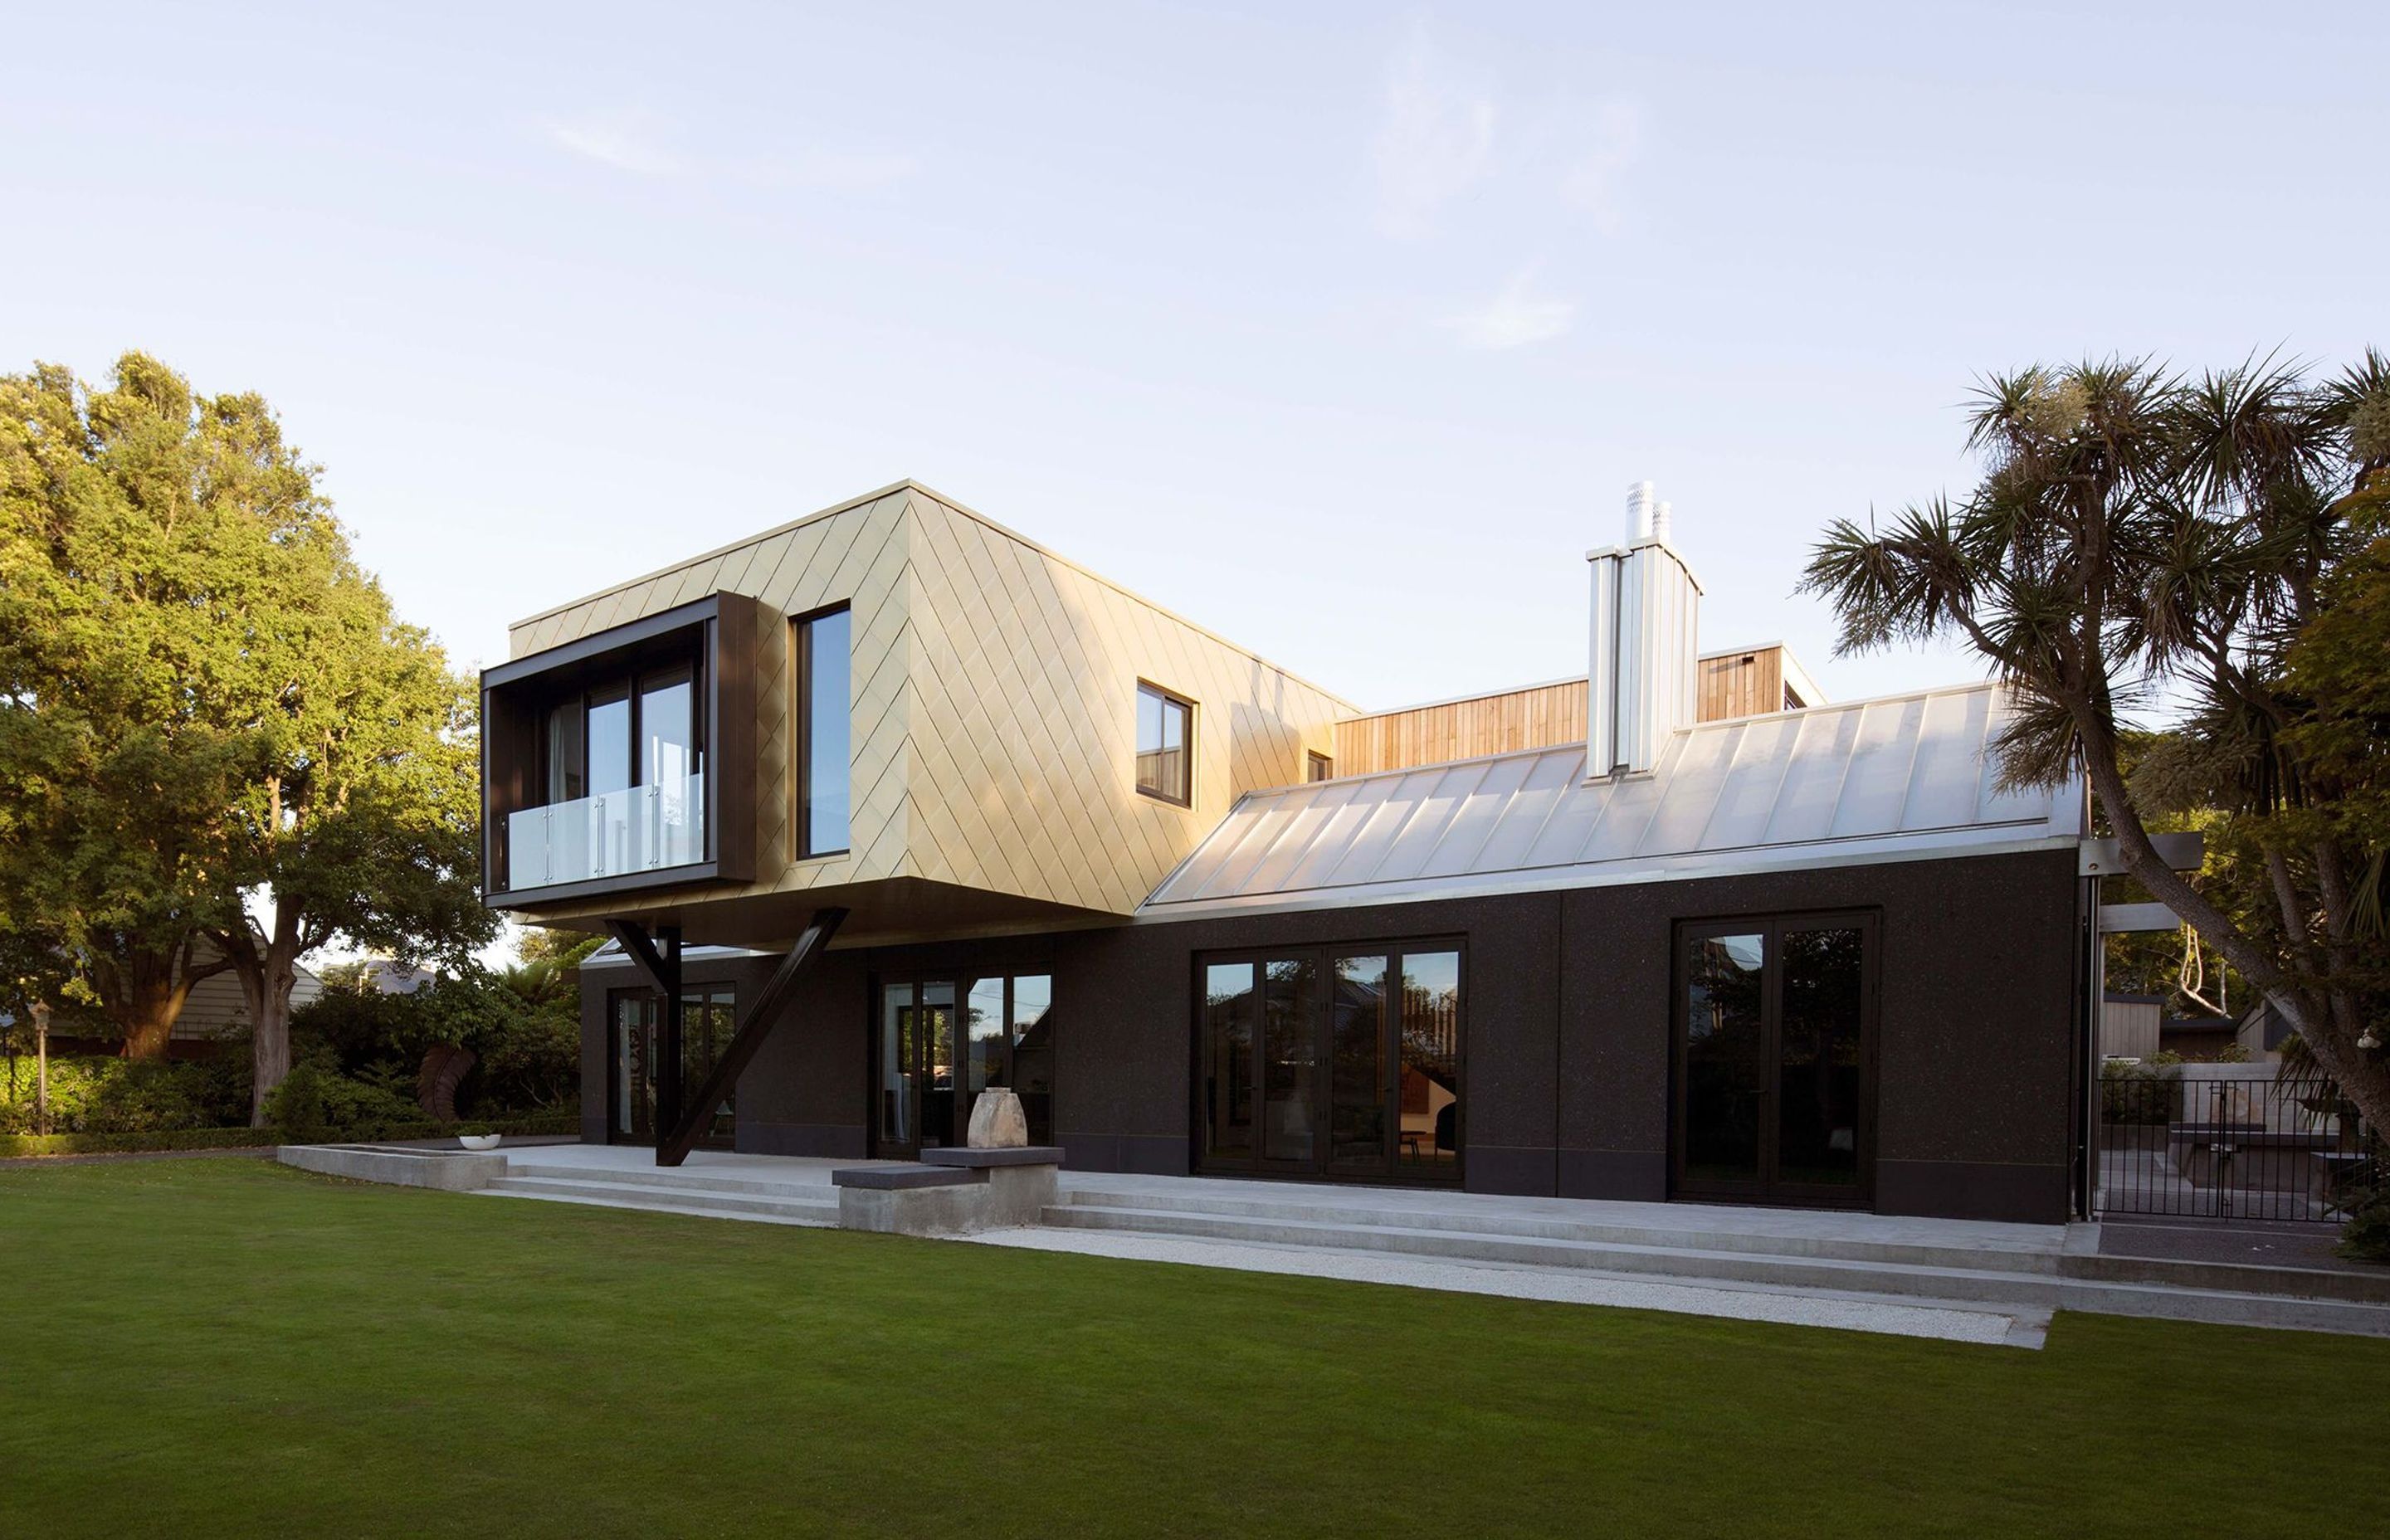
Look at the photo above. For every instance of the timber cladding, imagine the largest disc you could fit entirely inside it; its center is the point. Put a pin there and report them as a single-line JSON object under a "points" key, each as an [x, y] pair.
{"points": [[1538, 718], [1741, 684]]}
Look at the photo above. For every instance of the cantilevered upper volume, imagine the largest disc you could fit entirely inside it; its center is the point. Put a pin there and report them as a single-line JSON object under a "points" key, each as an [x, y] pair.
{"points": [[892, 704]]}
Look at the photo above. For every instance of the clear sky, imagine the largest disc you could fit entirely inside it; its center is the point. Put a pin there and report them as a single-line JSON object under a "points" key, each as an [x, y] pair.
{"points": [[1338, 329]]}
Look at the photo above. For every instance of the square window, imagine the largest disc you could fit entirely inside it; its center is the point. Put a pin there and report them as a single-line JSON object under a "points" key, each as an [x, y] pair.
{"points": [[1165, 741]]}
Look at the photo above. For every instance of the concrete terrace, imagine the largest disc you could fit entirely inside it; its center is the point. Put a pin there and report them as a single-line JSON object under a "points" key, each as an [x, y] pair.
{"points": [[1958, 1280]]}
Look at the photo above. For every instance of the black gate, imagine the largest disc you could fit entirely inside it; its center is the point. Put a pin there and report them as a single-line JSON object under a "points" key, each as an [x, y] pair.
{"points": [[2175, 1142]]}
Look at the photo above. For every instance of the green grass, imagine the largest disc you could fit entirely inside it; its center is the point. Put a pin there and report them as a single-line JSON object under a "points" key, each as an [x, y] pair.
{"points": [[225, 1347]]}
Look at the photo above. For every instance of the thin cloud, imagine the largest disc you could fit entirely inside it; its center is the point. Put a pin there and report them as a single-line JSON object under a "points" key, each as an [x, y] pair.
{"points": [[1591, 184], [1436, 141], [845, 170], [635, 142], [626, 141], [1516, 317]]}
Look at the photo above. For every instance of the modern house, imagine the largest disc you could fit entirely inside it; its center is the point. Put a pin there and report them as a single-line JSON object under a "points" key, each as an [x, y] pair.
{"points": [[889, 805]]}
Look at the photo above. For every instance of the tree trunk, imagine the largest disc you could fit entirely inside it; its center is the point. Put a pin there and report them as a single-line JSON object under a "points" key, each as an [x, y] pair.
{"points": [[149, 1023], [267, 967], [146, 993], [2363, 1078], [269, 1051]]}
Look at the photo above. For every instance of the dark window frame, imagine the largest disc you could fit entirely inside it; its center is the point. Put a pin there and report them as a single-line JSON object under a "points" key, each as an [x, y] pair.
{"points": [[1321, 1166], [800, 638], [1317, 768], [724, 631], [959, 1047], [693, 992], [1168, 697], [631, 687], [1772, 925]]}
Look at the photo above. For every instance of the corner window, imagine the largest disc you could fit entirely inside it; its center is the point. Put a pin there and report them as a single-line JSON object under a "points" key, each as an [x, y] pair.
{"points": [[1165, 741], [1318, 766], [825, 731]]}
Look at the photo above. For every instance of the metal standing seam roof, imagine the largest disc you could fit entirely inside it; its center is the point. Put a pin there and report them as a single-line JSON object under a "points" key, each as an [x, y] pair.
{"points": [[1902, 778]]}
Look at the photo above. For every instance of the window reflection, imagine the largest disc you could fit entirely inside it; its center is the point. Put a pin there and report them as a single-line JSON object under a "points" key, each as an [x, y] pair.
{"points": [[1431, 1058]]}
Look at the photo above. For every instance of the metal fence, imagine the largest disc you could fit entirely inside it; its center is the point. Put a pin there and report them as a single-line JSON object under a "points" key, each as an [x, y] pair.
{"points": [[2197, 1146]]}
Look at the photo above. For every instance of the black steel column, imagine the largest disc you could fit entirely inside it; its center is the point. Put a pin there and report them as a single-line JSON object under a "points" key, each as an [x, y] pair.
{"points": [[669, 1023], [658, 961]]}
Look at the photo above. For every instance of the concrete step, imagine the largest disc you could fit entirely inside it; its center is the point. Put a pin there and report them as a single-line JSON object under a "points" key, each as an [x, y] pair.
{"points": [[584, 1188], [678, 1178], [1359, 1210], [1993, 1287], [2246, 1277]]}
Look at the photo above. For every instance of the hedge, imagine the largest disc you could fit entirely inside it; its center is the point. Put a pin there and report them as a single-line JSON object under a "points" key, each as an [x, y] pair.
{"points": [[17, 1145]]}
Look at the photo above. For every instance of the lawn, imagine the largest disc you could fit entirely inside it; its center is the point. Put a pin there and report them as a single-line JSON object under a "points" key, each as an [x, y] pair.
{"points": [[222, 1346]]}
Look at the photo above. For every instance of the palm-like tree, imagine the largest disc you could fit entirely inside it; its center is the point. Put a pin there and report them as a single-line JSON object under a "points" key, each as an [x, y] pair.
{"points": [[2149, 546]]}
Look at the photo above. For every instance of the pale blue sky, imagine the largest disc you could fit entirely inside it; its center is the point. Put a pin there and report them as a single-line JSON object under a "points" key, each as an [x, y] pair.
{"points": [[1338, 329]]}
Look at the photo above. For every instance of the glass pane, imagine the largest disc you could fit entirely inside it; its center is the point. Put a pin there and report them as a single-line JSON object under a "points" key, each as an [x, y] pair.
{"points": [[1723, 1049], [1817, 1063], [1289, 1042], [1430, 1084], [1033, 1052], [668, 733], [1228, 1059], [635, 1085], [564, 726], [829, 731], [937, 1061], [984, 1029], [896, 1065], [709, 1017], [1161, 744], [1356, 1034], [610, 745]]}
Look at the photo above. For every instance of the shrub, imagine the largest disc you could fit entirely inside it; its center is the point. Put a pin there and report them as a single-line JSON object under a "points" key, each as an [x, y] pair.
{"points": [[106, 1094], [296, 1106], [2366, 1237], [2142, 1093]]}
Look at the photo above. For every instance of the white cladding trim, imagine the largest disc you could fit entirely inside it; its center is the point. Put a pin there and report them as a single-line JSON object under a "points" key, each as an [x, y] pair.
{"points": [[1906, 778], [1646, 618]]}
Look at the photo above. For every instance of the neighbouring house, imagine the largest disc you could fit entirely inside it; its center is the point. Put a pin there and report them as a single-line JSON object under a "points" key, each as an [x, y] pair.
{"points": [[891, 805], [2129, 1025], [215, 1012]]}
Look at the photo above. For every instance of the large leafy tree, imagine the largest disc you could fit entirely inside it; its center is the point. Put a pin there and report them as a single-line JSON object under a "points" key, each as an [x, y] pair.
{"points": [[211, 724], [2200, 555]]}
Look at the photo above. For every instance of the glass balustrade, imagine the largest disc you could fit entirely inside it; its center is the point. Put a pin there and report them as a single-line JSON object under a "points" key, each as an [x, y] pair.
{"points": [[639, 828]]}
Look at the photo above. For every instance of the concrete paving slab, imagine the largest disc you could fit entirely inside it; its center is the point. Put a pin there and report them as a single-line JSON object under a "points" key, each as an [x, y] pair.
{"points": [[2019, 1327]]}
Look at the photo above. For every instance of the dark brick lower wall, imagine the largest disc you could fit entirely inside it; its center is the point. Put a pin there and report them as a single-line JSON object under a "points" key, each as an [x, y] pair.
{"points": [[1568, 997]]}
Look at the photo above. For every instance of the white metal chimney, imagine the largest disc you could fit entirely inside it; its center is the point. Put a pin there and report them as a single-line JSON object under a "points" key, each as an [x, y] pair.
{"points": [[1639, 510], [1644, 643]]}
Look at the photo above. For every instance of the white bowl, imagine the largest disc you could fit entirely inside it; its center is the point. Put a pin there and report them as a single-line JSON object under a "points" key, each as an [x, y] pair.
{"points": [[478, 1141]]}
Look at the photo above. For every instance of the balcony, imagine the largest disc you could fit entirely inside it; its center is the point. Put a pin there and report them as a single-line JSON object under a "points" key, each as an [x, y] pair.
{"points": [[638, 829], [664, 709]]}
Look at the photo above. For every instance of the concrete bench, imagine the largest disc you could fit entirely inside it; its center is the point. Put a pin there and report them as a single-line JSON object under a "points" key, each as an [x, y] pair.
{"points": [[447, 1170], [951, 1192]]}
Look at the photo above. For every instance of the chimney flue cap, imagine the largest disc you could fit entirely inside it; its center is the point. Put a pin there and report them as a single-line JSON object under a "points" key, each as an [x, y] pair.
{"points": [[1640, 501]]}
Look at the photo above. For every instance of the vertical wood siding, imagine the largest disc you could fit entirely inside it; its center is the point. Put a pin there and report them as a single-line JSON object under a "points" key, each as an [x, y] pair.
{"points": [[1536, 718], [1742, 684]]}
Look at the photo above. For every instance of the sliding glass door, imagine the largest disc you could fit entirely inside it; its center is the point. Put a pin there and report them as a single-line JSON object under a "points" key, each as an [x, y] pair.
{"points": [[942, 1039], [1774, 1060], [709, 1020], [1332, 1061]]}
